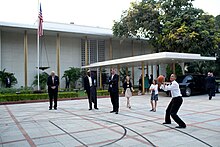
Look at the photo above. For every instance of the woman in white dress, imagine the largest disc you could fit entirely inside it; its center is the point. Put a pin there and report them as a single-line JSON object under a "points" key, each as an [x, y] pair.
{"points": [[127, 90]]}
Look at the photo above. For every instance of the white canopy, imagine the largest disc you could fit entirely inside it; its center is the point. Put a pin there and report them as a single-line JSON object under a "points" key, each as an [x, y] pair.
{"points": [[152, 59]]}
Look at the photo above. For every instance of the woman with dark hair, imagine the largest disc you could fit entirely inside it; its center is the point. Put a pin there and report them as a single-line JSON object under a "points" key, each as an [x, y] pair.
{"points": [[154, 95], [128, 89]]}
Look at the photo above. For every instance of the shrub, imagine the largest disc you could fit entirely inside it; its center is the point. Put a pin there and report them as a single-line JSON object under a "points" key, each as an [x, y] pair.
{"points": [[102, 92], [22, 90], [8, 90], [42, 80], [20, 97], [73, 74], [4, 75]]}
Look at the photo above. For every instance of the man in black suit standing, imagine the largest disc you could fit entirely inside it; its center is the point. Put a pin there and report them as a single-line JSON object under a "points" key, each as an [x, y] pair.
{"points": [[114, 91], [90, 89], [53, 83], [8, 82], [210, 85]]}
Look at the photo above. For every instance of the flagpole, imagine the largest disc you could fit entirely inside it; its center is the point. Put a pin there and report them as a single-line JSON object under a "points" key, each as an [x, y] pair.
{"points": [[38, 48], [38, 59]]}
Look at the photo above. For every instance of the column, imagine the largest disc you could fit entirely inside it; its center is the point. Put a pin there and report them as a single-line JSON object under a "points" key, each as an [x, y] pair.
{"points": [[110, 49], [154, 71], [142, 65], [0, 49], [182, 67], [118, 76], [100, 78], [174, 68], [58, 54], [86, 51], [25, 58], [147, 71], [97, 69], [132, 70], [126, 71]]}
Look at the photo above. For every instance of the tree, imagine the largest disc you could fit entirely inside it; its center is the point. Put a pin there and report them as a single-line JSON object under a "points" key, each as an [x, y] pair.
{"points": [[201, 67], [42, 80], [141, 20], [170, 25], [74, 74], [169, 70]]}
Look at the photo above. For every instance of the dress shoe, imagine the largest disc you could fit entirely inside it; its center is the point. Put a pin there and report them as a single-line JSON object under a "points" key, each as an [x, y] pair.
{"points": [[90, 108], [166, 123], [180, 127], [50, 108], [116, 112], [97, 108], [112, 111], [55, 108], [152, 110]]}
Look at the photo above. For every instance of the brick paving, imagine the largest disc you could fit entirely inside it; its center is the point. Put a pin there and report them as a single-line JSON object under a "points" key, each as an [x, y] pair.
{"points": [[32, 124]]}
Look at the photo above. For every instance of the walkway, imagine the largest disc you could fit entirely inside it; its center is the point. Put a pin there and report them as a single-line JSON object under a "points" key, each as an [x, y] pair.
{"points": [[73, 124]]}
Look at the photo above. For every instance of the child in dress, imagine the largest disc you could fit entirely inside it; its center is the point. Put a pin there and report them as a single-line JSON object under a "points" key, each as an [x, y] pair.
{"points": [[154, 95]]}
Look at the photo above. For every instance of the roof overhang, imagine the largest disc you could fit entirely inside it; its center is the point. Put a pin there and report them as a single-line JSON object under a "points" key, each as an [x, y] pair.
{"points": [[152, 59]]}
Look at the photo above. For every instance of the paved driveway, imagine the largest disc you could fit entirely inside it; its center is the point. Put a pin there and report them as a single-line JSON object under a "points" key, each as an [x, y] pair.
{"points": [[73, 124]]}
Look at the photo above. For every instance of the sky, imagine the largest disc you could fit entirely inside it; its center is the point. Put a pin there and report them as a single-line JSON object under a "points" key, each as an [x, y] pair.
{"points": [[98, 13]]}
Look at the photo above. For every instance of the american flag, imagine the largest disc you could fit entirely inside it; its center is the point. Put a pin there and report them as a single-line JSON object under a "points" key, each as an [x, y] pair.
{"points": [[40, 27]]}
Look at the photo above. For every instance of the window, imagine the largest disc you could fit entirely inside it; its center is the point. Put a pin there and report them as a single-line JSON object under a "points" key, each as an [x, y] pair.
{"points": [[96, 51]]}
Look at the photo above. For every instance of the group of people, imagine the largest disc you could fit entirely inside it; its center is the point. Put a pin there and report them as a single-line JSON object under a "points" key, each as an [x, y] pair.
{"points": [[89, 86], [171, 110], [90, 89]]}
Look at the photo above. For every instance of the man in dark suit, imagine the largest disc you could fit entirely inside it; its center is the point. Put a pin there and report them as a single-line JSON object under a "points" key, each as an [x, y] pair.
{"points": [[67, 82], [8, 82], [53, 83], [114, 91], [90, 89], [210, 85]]}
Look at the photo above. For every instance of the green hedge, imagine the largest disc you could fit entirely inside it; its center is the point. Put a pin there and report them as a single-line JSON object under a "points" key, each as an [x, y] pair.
{"points": [[102, 92], [21, 97]]}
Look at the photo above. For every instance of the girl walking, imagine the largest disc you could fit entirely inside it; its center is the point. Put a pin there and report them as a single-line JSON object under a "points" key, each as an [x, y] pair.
{"points": [[154, 95]]}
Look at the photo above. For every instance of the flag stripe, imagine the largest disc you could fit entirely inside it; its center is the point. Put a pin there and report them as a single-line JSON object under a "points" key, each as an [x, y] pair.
{"points": [[40, 26]]}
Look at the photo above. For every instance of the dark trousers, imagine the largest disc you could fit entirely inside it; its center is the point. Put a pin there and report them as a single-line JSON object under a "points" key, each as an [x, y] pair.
{"points": [[115, 100], [92, 97], [211, 92], [172, 110], [53, 97]]}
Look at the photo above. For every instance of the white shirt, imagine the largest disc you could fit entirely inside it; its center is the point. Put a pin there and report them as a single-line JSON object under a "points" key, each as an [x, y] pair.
{"points": [[53, 79], [174, 88], [154, 87], [90, 81], [112, 77]]}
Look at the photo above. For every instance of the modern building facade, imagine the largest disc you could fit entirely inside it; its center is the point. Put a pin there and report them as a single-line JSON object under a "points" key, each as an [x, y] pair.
{"points": [[62, 46]]}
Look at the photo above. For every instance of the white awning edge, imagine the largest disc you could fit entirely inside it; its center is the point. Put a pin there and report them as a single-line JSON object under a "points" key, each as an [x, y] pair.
{"points": [[155, 58]]}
